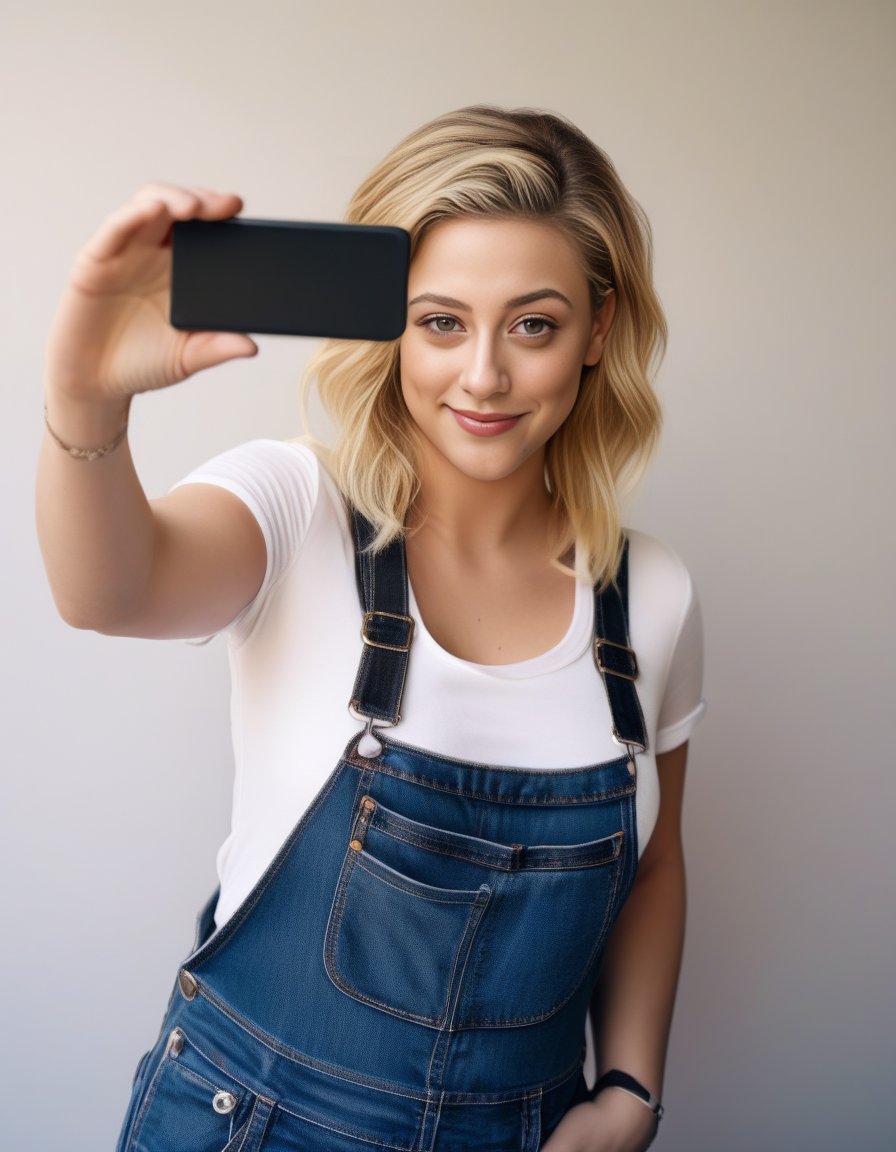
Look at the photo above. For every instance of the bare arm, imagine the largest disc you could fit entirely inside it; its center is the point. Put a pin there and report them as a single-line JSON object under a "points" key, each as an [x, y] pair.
{"points": [[183, 565], [633, 1002]]}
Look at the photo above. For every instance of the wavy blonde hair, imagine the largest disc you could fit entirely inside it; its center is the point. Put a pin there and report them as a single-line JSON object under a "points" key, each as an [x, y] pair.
{"points": [[484, 161]]}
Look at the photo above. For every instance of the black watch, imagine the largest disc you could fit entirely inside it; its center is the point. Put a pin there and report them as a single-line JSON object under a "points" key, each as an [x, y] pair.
{"points": [[616, 1079]]}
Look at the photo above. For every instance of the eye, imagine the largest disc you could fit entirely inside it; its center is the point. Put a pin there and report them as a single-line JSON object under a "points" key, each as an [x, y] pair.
{"points": [[442, 325], [534, 326]]}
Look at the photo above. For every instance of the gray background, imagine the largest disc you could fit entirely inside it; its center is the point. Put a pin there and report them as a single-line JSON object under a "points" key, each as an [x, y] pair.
{"points": [[758, 136]]}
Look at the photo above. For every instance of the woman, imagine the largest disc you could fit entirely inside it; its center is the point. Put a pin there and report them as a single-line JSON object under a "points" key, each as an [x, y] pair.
{"points": [[404, 949]]}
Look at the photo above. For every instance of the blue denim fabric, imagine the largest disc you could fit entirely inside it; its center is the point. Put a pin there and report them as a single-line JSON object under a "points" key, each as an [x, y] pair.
{"points": [[412, 972]]}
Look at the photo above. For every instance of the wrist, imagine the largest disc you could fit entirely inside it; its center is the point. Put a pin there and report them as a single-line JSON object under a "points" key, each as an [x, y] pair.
{"points": [[85, 423], [619, 1123], [625, 1082]]}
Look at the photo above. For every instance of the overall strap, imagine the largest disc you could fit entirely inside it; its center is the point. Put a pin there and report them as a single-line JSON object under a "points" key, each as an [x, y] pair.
{"points": [[615, 659], [387, 628]]}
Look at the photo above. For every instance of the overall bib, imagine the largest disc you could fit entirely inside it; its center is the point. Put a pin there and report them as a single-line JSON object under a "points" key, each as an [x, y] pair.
{"points": [[413, 970]]}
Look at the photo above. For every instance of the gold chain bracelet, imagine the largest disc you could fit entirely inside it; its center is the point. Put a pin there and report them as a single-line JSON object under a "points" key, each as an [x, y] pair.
{"points": [[87, 453]]}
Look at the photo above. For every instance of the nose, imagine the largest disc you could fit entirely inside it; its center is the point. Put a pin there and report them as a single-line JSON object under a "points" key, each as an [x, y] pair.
{"points": [[485, 373]]}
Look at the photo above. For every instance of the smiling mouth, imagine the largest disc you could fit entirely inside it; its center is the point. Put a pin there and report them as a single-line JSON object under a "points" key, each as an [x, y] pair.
{"points": [[484, 423]]}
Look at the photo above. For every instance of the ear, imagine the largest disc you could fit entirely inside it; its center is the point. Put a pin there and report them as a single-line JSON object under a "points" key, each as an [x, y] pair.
{"points": [[603, 321]]}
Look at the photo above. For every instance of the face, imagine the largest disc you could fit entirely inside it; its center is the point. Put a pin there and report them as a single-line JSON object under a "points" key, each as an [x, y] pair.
{"points": [[500, 325]]}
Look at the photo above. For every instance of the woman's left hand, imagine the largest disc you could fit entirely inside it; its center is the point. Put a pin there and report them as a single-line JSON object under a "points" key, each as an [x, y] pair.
{"points": [[613, 1122]]}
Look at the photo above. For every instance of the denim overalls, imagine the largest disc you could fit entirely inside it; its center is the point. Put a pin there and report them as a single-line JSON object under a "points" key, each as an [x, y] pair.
{"points": [[413, 970]]}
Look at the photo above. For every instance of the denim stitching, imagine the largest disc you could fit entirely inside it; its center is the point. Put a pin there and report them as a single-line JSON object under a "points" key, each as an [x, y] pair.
{"points": [[627, 789], [197, 1077], [385, 1086], [267, 1119], [296, 1057], [575, 858], [462, 957], [225, 1073], [145, 1104], [334, 923], [536, 801], [351, 1133], [532, 1131], [213, 945], [471, 1099], [240, 1135], [518, 1021], [166, 1062], [487, 1022], [444, 1038], [255, 1092], [410, 886], [502, 769]]}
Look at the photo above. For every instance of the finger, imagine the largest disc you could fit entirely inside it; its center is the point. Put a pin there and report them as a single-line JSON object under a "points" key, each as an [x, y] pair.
{"points": [[189, 201], [152, 209], [206, 349], [123, 225], [219, 205]]}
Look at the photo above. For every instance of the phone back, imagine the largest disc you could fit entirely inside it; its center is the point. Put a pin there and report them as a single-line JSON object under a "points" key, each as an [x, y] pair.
{"points": [[290, 278]]}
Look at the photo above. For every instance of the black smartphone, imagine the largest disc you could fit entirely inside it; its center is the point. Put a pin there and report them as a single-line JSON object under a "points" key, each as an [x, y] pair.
{"points": [[289, 278]]}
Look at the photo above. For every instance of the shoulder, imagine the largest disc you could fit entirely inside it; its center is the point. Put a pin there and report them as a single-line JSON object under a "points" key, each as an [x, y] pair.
{"points": [[278, 480], [666, 628], [257, 458], [657, 574], [290, 495], [663, 609]]}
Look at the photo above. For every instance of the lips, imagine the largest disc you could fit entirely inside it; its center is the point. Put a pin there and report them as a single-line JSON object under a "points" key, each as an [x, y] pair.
{"points": [[484, 423]]}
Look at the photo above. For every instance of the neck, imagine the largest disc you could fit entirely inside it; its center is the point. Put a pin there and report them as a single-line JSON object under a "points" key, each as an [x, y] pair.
{"points": [[481, 516]]}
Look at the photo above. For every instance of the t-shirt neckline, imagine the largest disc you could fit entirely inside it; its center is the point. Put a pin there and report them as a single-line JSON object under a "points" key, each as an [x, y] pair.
{"points": [[567, 650]]}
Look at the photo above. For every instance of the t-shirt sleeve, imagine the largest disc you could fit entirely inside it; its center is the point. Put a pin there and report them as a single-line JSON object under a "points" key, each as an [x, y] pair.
{"points": [[279, 483], [683, 705]]}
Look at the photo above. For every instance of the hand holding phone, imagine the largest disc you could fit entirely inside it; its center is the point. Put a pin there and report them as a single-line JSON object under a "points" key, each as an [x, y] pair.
{"points": [[110, 337], [289, 278]]}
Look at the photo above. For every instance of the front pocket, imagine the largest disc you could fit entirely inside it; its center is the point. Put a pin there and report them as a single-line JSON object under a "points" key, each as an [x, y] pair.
{"points": [[190, 1104], [397, 943], [540, 942], [435, 925]]}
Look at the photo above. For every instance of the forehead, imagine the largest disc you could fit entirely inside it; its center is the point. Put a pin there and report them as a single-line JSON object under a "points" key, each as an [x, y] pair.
{"points": [[507, 257]]}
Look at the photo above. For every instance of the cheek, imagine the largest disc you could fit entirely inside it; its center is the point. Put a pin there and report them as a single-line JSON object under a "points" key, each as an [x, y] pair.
{"points": [[426, 374], [556, 384]]}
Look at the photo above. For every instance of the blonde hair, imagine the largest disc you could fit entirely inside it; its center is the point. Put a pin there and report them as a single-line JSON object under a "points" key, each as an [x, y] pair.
{"points": [[484, 161]]}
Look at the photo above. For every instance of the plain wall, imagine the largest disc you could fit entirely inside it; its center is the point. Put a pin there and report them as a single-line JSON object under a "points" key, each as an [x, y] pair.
{"points": [[758, 137]]}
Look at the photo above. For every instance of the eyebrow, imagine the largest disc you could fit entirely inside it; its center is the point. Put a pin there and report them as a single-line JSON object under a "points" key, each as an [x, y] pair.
{"points": [[516, 302]]}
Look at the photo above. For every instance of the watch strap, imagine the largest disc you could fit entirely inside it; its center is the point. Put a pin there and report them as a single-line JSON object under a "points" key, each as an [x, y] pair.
{"points": [[616, 1079]]}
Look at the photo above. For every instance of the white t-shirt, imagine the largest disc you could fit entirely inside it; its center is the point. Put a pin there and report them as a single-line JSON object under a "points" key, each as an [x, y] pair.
{"points": [[295, 649]]}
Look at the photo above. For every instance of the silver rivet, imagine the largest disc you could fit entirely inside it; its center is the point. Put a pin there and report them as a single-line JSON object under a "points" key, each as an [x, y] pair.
{"points": [[175, 1043], [224, 1102], [188, 985]]}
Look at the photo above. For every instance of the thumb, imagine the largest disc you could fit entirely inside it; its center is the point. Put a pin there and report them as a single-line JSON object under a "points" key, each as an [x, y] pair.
{"points": [[206, 349]]}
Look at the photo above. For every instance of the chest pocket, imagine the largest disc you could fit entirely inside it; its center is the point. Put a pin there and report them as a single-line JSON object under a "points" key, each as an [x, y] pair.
{"points": [[453, 930]]}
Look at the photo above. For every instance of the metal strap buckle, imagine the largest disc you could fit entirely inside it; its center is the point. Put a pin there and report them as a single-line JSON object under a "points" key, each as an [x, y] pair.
{"points": [[624, 668], [386, 634]]}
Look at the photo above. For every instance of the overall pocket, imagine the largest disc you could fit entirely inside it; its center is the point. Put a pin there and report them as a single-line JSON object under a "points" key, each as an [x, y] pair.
{"points": [[191, 1105], [431, 924], [395, 942]]}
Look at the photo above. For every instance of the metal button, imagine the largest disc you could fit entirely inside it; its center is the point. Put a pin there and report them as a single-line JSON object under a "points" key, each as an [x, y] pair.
{"points": [[188, 985], [175, 1043], [224, 1102]]}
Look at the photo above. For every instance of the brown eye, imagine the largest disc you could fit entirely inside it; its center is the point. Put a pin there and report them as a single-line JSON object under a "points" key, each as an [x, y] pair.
{"points": [[535, 326], [443, 325]]}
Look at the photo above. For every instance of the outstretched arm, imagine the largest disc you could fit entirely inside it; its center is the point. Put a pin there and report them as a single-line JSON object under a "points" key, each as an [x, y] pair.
{"points": [[632, 1006], [180, 566]]}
